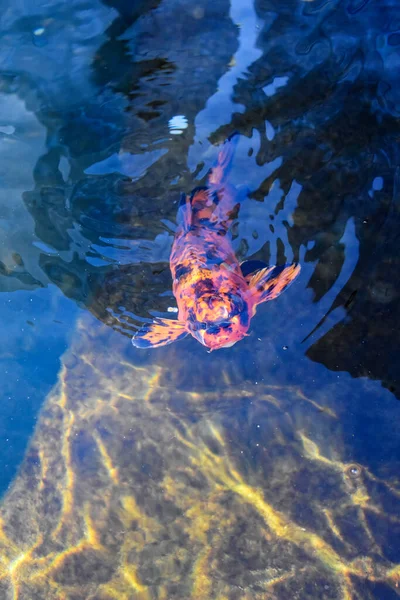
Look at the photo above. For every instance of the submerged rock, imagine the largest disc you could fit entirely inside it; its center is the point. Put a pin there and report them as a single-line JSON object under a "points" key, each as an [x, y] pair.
{"points": [[136, 486]]}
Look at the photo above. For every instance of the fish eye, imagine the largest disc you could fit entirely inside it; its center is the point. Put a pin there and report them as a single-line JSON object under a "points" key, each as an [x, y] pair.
{"points": [[213, 329], [237, 305]]}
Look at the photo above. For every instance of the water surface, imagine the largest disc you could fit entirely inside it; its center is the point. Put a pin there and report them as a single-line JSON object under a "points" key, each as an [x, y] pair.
{"points": [[267, 470]]}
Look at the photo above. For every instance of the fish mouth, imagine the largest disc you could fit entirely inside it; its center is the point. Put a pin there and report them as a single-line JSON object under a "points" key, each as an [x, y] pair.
{"points": [[228, 344], [221, 344], [216, 335]]}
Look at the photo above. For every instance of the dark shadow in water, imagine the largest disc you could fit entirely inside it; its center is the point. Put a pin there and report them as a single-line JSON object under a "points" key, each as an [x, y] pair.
{"points": [[91, 109], [336, 119]]}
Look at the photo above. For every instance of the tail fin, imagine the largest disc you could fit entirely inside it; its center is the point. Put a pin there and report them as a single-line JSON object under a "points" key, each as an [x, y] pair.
{"points": [[220, 171]]}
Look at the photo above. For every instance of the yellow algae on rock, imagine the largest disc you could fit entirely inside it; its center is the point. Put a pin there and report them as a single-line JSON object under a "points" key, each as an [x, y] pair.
{"points": [[137, 486]]}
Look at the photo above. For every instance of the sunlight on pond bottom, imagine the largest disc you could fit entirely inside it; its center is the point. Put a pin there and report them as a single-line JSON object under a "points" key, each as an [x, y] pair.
{"points": [[131, 488]]}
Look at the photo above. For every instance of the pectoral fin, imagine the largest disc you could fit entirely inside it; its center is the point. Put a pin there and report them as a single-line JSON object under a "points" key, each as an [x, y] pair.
{"points": [[159, 333], [249, 267], [270, 282]]}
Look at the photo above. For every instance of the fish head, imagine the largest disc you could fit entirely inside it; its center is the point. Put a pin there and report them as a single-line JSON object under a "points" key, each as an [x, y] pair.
{"points": [[221, 320]]}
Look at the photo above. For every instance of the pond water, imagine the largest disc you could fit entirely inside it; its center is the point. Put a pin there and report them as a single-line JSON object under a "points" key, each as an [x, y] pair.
{"points": [[268, 470]]}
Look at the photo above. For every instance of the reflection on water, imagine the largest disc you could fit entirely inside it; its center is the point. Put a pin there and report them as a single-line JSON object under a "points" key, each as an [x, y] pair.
{"points": [[268, 470]]}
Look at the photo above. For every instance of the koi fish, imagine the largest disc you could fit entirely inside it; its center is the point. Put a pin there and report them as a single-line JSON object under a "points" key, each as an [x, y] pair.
{"points": [[216, 296]]}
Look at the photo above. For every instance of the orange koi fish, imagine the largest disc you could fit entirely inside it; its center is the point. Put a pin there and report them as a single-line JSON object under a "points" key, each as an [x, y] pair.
{"points": [[216, 296]]}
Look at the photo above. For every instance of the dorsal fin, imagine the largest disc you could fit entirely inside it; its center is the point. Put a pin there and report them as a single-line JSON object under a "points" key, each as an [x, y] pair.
{"points": [[184, 217]]}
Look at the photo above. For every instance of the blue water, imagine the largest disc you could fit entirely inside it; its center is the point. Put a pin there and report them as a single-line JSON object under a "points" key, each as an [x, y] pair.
{"points": [[92, 162]]}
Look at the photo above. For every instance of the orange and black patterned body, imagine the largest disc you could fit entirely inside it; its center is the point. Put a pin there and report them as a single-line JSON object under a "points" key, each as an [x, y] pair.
{"points": [[216, 296]]}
